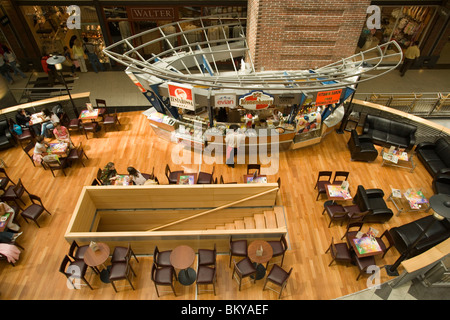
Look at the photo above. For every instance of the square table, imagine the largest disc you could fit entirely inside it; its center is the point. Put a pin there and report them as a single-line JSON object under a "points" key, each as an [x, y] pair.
{"points": [[36, 118], [335, 192], [248, 178], [87, 115], [187, 178], [366, 246], [58, 148], [122, 180], [397, 158], [410, 200]]}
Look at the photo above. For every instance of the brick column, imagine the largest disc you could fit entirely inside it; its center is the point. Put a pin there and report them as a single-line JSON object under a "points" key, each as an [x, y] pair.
{"points": [[303, 34]]}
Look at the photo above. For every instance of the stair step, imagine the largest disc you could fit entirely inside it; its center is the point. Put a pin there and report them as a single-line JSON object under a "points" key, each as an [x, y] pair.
{"points": [[239, 224], [260, 222], [249, 223], [220, 228], [279, 215], [271, 221], [230, 226]]}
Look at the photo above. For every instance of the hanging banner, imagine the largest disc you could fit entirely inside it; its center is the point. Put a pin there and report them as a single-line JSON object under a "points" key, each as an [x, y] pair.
{"points": [[256, 100], [181, 96], [225, 100], [328, 97]]}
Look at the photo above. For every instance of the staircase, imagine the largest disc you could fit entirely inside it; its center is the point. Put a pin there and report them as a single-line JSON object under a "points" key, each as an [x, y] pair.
{"points": [[270, 219]]}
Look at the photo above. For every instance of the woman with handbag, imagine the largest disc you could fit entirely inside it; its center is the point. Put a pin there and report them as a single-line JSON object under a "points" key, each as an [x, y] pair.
{"points": [[69, 62], [78, 55]]}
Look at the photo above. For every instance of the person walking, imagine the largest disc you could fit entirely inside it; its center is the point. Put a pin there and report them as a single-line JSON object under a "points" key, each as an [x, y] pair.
{"points": [[78, 54], [90, 49], [411, 54], [4, 70], [69, 62], [12, 61]]}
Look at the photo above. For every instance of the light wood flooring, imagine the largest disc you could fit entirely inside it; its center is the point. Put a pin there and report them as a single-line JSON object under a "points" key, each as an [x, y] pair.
{"points": [[36, 275]]}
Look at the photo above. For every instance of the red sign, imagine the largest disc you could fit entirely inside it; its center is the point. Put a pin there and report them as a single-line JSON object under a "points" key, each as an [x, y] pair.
{"points": [[181, 96], [144, 13], [328, 97], [256, 100]]}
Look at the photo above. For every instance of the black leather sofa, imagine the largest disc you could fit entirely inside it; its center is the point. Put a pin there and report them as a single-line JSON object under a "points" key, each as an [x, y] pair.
{"points": [[372, 202], [361, 149], [6, 138], [386, 132], [441, 183], [407, 234], [435, 156]]}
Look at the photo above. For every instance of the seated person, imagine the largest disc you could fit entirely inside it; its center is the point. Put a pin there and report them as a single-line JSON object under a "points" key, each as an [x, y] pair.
{"points": [[108, 173], [62, 134], [136, 176], [40, 149], [4, 208], [8, 237], [23, 118], [48, 118]]}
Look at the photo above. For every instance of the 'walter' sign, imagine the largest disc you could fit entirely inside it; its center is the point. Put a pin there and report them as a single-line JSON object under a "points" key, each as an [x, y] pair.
{"points": [[328, 97], [256, 100], [181, 96]]}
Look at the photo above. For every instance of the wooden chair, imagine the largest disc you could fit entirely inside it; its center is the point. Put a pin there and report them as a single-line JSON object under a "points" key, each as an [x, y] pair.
{"points": [[163, 276], [238, 248], [340, 176], [251, 167], [34, 211], [5, 180], [121, 254], [363, 264], [279, 249], [77, 252], [172, 175], [74, 124], [99, 176], [162, 258], [222, 182], [243, 269], [111, 120], [14, 193], [205, 178], [207, 257], [321, 183], [55, 165], [27, 133], [27, 149], [102, 108], [74, 270], [339, 252], [121, 271], [350, 226], [390, 242], [336, 212], [90, 127], [206, 275], [77, 154], [279, 277]]}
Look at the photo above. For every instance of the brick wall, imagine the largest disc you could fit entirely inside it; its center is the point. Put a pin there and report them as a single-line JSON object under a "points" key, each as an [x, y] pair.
{"points": [[302, 34]]}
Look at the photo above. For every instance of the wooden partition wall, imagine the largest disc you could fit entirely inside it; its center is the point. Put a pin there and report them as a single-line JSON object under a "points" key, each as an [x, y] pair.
{"points": [[170, 215]]}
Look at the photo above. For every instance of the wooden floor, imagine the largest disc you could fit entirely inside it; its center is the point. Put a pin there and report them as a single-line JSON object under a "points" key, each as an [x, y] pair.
{"points": [[36, 275]]}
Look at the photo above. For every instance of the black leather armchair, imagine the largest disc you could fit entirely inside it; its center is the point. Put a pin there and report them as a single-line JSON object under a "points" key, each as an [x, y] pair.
{"points": [[6, 137], [371, 201], [441, 183], [435, 156], [361, 149], [404, 236]]}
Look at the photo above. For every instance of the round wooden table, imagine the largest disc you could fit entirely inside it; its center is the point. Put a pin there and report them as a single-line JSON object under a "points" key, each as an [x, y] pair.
{"points": [[182, 257], [95, 258], [259, 260]]}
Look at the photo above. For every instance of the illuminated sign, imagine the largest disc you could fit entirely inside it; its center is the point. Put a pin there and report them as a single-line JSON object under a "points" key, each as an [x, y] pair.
{"points": [[181, 96], [256, 100], [151, 13], [328, 97]]}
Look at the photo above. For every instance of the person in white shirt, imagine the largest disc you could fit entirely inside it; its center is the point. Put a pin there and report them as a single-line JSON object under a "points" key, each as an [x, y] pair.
{"points": [[136, 176], [233, 140], [12, 61]]}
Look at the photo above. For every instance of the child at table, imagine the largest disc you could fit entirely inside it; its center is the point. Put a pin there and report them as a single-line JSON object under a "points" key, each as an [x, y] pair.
{"points": [[62, 134], [136, 176], [108, 173], [40, 149]]}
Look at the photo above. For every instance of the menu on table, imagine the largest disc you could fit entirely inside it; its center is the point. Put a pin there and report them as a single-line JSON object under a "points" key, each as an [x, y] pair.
{"points": [[366, 245], [187, 179], [87, 113], [336, 191], [250, 179], [415, 198]]}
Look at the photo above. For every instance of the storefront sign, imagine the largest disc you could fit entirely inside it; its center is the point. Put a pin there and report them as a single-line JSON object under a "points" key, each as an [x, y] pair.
{"points": [[181, 96], [256, 100], [328, 97], [151, 13], [225, 100]]}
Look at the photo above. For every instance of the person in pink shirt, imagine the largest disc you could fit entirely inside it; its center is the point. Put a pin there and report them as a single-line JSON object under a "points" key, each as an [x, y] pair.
{"points": [[62, 134]]}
